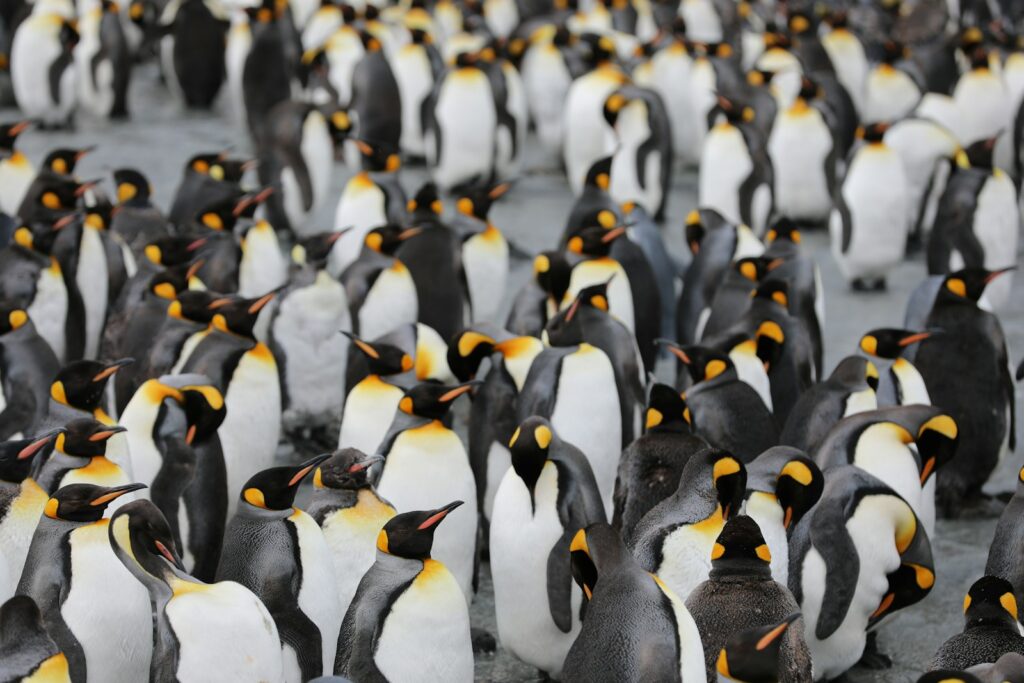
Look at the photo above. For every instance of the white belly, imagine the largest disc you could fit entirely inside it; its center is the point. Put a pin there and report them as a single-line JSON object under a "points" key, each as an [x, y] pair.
{"points": [[686, 555], [984, 105], [891, 95], [585, 126], [546, 80], [351, 535], [318, 594], [764, 509], [91, 277], [670, 75], [467, 120], [390, 303], [799, 145], [750, 369], [361, 208], [702, 20], [911, 384], [415, 80], [33, 51], [16, 174], [499, 460], [892, 462], [318, 152], [633, 130], [724, 165], [996, 225], [138, 418], [49, 309], [16, 530], [850, 62], [263, 267], [620, 295], [485, 260], [369, 409]]}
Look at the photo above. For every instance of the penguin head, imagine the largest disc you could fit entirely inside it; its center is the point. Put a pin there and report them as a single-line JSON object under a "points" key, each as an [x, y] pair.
{"points": [[666, 409], [16, 460], [411, 534], [948, 676], [12, 316], [238, 315], [193, 305], [382, 359], [893, 51], [467, 351], [798, 487], [979, 59], [601, 229], [133, 188], [83, 437], [248, 203], [63, 160], [529, 447], [734, 111], [275, 488], [800, 23], [141, 536], [855, 373], [347, 469], [377, 157], [552, 271], [68, 35], [426, 203], [937, 441], [9, 133], [173, 250], [872, 133], [890, 343], [477, 201], [230, 169], [315, 249], [386, 239], [699, 223], [601, 49], [202, 163], [991, 602], [760, 78], [729, 479], [613, 106], [222, 215], [59, 194], [752, 655], [702, 362], [755, 268], [84, 502], [431, 400], [82, 383], [970, 283], [205, 411], [979, 154], [809, 89], [740, 549], [971, 38], [594, 550], [338, 122], [783, 230], [600, 173], [466, 60], [267, 12]]}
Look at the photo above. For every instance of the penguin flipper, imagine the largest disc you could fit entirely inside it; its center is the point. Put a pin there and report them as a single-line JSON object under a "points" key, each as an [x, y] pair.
{"points": [[559, 582], [842, 567], [17, 416], [299, 631]]}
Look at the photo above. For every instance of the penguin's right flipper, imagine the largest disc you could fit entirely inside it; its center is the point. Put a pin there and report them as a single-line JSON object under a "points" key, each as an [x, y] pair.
{"points": [[299, 631], [842, 567], [541, 387], [560, 582]]}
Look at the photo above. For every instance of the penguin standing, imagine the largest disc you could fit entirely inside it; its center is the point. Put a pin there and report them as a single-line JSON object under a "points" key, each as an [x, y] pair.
{"points": [[425, 461], [376, 105], [351, 514], [262, 267], [408, 620], [859, 555], [631, 614], [484, 257], [740, 593], [990, 627], [548, 68], [983, 100], [16, 171], [371, 402], [379, 288], [544, 499], [99, 618], [670, 75], [104, 60], [42, 64], [27, 365], [278, 552], [269, 66], [192, 51], [195, 627], [903, 384], [846, 52], [893, 87], [642, 162], [417, 66], [26, 649], [869, 224], [21, 502]]}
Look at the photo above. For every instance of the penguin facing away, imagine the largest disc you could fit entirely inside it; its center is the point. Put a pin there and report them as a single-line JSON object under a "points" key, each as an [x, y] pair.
{"points": [[22, 502], [26, 650], [1008, 542], [991, 627]]}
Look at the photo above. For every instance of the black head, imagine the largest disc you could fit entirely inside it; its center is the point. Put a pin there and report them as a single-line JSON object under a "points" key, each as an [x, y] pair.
{"points": [[666, 409], [264, 13], [139, 531], [600, 174], [81, 383], [596, 239], [386, 239], [800, 23], [174, 250], [382, 359], [411, 534], [552, 271], [752, 655], [9, 133], [467, 60], [16, 460], [275, 488], [205, 411], [890, 343], [798, 487], [783, 229], [991, 602], [969, 284], [735, 112], [853, 373], [347, 469], [809, 89], [594, 550], [613, 106], [529, 449], [59, 194], [979, 58], [338, 122], [594, 297], [62, 161], [759, 78], [238, 315], [431, 400], [467, 351], [68, 36], [741, 549], [771, 342], [223, 214], [377, 157], [84, 502], [230, 170], [191, 304], [893, 51], [83, 438], [12, 316], [701, 362], [426, 204], [755, 268], [202, 163], [729, 478], [132, 187], [315, 249], [937, 441], [979, 154], [601, 48], [477, 201]]}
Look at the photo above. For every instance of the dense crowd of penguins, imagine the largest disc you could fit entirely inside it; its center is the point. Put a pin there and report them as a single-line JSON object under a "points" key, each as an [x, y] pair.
{"points": [[757, 519]]}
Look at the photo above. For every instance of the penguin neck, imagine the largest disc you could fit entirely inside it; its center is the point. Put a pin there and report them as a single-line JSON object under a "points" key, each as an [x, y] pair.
{"points": [[249, 511], [740, 571]]}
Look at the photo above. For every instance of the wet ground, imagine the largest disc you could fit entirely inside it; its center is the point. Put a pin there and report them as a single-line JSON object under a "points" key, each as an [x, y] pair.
{"points": [[161, 137]]}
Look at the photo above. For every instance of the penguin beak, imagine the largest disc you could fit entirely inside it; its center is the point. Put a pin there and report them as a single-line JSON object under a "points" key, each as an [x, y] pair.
{"points": [[37, 445], [80, 154], [64, 221], [306, 468], [996, 273], [196, 244], [85, 187], [362, 346], [114, 493], [257, 305], [366, 464], [411, 232], [335, 236], [571, 313], [499, 190], [913, 339], [112, 369], [439, 514], [613, 234], [194, 269], [19, 128], [167, 552], [777, 632], [107, 433], [459, 391], [675, 350]]}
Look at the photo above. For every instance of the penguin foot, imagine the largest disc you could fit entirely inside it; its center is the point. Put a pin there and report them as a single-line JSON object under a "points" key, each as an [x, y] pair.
{"points": [[484, 643], [873, 658]]}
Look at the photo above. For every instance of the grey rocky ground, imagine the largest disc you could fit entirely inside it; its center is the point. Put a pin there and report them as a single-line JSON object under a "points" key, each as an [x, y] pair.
{"points": [[160, 138]]}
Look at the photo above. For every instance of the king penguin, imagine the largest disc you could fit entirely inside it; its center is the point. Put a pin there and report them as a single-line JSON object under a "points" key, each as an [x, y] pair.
{"points": [[79, 456], [27, 651], [372, 400], [21, 504], [902, 384], [1007, 542], [380, 290], [27, 365], [16, 171], [990, 630], [753, 654], [43, 69]]}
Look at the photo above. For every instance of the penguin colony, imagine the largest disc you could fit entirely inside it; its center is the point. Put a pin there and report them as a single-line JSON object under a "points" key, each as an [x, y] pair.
{"points": [[662, 478]]}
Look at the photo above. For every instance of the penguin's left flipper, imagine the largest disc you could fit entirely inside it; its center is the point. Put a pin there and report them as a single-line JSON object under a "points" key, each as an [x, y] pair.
{"points": [[842, 567], [560, 582], [643, 151], [299, 631]]}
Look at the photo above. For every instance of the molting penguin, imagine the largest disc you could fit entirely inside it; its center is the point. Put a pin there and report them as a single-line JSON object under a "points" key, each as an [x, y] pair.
{"points": [[650, 468], [279, 552], [859, 555], [408, 620], [99, 618], [740, 594], [380, 289], [27, 365], [631, 615], [21, 504], [546, 497], [425, 461], [242, 642], [351, 515], [371, 400], [43, 70], [26, 649], [903, 384], [676, 538], [990, 627], [753, 654]]}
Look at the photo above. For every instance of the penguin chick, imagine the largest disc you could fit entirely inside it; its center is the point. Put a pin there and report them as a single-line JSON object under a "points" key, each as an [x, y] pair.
{"points": [[27, 651], [752, 655], [408, 620], [351, 514], [990, 627], [651, 466], [740, 594], [635, 629], [279, 552], [1007, 669]]}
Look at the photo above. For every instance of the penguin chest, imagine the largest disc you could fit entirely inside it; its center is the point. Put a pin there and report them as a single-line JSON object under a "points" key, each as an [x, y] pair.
{"points": [[16, 174], [427, 467], [351, 535], [702, 20], [16, 530], [92, 280], [369, 410], [362, 207], [485, 262], [891, 94], [909, 383], [633, 130], [425, 636], [98, 472], [317, 151], [995, 225], [498, 462], [860, 402], [390, 303], [984, 104], [764, 508], [546, 80], [318, 590], [847, 56], [670, 74], [35, 49], [686, 553], [799, 145], [620, 294], [587, 413], [750, 369], [522, 536], [725, 165], [466, 119], [415, 79], [880, 452], [307, 331], [107, 609], [95, 71], [49, 308], [585, 126], [263, 266]]}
